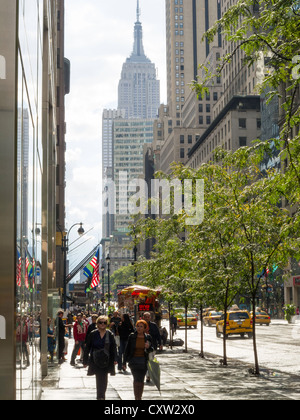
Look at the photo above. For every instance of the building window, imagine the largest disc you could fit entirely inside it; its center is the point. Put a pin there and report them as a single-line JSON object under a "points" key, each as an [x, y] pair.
{"points": [[242, 123], [243, 141]]}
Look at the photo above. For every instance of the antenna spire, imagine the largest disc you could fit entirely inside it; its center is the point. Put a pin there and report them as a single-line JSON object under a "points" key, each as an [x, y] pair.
{"points": [[138, 11]]}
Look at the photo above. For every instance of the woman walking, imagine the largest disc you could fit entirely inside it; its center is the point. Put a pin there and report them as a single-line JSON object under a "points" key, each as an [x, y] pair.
{"points": [[100, 355], [137, 355], [125, 328]]}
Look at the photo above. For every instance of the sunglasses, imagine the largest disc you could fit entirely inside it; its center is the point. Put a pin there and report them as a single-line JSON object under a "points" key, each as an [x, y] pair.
{"points": [[102, 322]]}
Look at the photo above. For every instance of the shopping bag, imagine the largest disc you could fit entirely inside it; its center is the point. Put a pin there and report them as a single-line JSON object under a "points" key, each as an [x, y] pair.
{"points": [[154, 372]]}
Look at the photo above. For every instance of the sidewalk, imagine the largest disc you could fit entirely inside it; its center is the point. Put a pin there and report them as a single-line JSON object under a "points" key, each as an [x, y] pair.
{"points": [[184, 377]]}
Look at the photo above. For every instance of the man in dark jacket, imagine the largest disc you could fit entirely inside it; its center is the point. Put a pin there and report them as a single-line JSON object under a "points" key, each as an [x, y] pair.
{"points": [[61, 332], [153, 331]]}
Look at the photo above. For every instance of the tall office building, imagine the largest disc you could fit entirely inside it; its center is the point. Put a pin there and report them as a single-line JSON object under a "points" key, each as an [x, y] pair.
{"points": [[108, 118], [139, 89], [229, 114], [186, 22], [232, 113], [130, 136]]}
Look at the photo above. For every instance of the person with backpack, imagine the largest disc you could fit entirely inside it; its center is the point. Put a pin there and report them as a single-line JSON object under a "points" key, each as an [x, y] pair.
{"points": [[100, 355]]}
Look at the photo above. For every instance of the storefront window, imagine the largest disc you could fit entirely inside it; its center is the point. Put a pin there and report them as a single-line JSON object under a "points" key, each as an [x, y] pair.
{"points": [[29, 184]]}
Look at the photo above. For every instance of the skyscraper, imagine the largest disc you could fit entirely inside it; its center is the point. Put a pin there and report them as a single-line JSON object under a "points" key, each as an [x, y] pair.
{"points": [[186, 22], [139, 90]]}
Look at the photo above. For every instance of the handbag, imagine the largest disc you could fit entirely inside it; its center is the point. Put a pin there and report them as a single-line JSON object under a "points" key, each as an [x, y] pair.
{"points": [[101, 356], [118, 340]]}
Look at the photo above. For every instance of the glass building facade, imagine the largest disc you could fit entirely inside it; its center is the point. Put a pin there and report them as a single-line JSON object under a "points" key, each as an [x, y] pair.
{"points": [[28, 138]]}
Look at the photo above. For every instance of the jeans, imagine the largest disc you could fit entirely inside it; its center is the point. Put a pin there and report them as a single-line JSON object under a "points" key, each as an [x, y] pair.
{"points": [[76, 349]]}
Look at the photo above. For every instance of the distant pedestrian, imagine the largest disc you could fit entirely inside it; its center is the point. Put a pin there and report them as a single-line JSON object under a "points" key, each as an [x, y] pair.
{"points": [[51, 340], [92, 327], [79, 331], [100, 355], [60, 333], [115, 320], [125, 328], [70, 323], [173, 321], [137, 355]]}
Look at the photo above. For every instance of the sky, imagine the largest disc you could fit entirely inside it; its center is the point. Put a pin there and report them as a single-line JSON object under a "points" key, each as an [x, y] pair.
{"points": [[99, 37]]}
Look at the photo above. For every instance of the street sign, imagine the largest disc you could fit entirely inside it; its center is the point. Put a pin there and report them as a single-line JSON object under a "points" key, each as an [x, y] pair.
{"points": [[145, 308]]}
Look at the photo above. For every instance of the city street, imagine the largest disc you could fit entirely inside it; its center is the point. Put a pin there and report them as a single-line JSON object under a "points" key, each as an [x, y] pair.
{"points": [[278, 345]]}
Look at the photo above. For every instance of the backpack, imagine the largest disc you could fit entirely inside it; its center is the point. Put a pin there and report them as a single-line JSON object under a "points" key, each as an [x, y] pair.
{"points": [[101, 357]]}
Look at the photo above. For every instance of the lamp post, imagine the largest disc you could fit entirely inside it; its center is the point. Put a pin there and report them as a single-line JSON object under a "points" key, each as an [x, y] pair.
{"points": [[65, 249], [108, 279]]}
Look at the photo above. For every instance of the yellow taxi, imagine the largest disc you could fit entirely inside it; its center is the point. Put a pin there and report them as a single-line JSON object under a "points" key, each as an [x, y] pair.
{"points": [[237, 323], [191, 320], [212, 318], [261, 318]]}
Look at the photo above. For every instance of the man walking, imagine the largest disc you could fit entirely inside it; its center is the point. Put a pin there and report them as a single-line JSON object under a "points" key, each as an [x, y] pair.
{"points": [[60, 333], [79, 332]]}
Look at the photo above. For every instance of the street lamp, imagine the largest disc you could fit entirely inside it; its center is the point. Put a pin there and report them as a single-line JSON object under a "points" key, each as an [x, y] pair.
{"points": [[108, 279], [65, 249]]}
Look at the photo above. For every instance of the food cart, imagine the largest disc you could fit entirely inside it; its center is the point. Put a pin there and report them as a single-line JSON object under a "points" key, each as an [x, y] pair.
{"points": [[136, 300]]}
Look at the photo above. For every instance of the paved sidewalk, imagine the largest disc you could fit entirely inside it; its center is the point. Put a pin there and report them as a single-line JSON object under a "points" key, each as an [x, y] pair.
{"points": [[184, 377]]}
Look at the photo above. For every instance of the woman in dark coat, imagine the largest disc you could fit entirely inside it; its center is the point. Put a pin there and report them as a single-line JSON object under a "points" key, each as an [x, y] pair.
{"points": [[101, 341], [124, 331], [137, 356]]}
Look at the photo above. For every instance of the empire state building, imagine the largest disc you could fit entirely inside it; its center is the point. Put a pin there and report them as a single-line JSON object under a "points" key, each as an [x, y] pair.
{"points": [[139, 89]]}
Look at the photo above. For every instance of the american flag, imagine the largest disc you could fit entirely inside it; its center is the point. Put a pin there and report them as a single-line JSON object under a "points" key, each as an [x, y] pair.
{"points": [[96, 277], [27, 264], [95, 263]]}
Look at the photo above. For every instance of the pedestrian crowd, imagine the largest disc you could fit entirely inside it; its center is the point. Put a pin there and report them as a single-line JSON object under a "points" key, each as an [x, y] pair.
{"points": [[106, 343]]}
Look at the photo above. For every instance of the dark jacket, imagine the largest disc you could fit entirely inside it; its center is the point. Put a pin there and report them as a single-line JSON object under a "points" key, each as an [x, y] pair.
{"points": [[131, 345], [155, 334], [91, 347], [124, 331]]}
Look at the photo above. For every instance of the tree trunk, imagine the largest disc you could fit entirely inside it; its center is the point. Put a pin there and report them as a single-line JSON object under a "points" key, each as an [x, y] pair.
{"points": [[186, 333], [201, 332], [256, 369], [225, 362]]}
